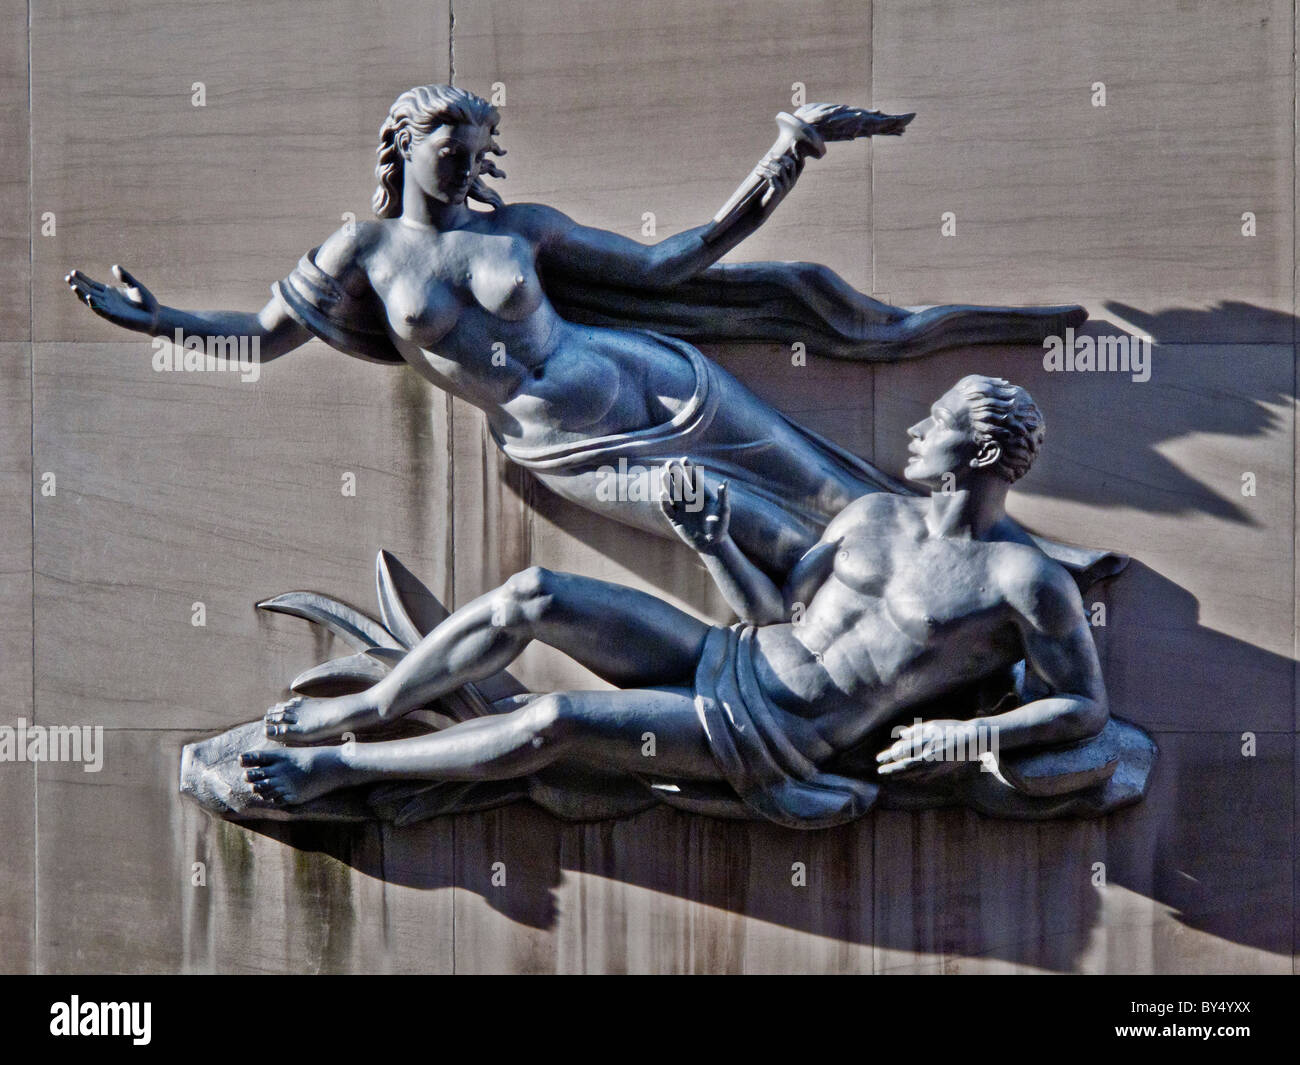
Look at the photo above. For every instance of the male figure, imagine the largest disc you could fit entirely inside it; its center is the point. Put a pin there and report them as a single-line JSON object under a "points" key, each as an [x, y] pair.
{"points": [[904, 600]]}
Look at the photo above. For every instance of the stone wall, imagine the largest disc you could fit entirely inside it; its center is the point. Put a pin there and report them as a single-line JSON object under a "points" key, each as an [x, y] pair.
{"points": [[181, 488]]}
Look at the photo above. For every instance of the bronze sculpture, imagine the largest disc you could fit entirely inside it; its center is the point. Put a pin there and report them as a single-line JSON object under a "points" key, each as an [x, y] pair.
{"points": [[574, 341], [905, 606], [860, 602]]}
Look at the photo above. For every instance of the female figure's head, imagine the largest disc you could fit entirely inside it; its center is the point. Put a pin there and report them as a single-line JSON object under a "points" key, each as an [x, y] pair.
{"points": [[440, 136]]}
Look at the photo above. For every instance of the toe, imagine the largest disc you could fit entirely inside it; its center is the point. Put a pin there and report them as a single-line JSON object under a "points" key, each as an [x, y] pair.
{"points": [[255, 758]]}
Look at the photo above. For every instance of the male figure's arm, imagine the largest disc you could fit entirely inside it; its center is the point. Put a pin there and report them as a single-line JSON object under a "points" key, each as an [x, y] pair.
{"points": [[701, 519], [1061, 664]]}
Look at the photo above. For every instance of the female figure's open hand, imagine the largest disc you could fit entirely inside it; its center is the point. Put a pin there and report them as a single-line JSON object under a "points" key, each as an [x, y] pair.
{"points": [[132, 306]]}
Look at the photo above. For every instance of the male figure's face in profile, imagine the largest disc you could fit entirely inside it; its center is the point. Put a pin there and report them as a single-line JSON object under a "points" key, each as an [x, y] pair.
{"points": [[942, 443]]}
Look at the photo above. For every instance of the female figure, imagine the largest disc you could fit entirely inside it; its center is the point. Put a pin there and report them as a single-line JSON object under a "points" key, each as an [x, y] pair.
{"points": [[490, 305]]}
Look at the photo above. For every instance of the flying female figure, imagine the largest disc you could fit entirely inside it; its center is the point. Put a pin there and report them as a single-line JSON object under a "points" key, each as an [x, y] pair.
{"points": [[559, 332]]}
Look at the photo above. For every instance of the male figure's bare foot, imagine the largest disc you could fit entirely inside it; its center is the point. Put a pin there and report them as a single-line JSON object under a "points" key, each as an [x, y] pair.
{"points": [[294, 775], [305, 720]]}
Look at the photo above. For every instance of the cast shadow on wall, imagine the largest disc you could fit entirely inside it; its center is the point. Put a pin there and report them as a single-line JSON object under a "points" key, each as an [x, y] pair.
{"points": [[1209, 850], [1237, 397]]}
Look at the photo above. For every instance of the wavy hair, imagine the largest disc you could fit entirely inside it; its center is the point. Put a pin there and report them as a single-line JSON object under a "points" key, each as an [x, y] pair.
{"points": [[419, 111], [1006, 415]]}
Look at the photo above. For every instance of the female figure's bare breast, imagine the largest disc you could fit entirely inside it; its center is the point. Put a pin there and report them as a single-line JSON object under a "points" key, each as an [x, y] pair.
{"points": [[468, 311]]}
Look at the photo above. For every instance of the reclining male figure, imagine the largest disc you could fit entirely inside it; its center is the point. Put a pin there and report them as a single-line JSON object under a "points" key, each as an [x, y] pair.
{"points": [[903, 600]]}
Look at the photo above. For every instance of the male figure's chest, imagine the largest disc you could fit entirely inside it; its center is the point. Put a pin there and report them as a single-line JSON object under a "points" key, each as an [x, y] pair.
{"points": [[926, 586]]}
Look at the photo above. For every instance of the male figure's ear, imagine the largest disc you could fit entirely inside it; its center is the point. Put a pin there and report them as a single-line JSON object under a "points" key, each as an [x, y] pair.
{"points": [[404, 143], [989, 454]]}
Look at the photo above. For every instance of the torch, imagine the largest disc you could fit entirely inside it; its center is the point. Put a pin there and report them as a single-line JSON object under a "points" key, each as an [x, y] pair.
{"points": [[802, 134]]}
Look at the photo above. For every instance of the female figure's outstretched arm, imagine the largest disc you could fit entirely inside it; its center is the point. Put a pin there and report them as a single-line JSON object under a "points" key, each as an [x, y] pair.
{"points": [[132, 306], [614, 259], [566, 245]]}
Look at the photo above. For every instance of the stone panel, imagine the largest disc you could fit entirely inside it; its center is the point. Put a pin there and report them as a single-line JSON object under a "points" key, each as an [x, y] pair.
{"points": [[662, 892], [134, 878], [182, 488], [15, 175], [1134, 208], [1196, 879], [208, 205], [17, 781]]}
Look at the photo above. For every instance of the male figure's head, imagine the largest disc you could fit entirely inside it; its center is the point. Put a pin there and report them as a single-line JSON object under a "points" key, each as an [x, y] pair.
{"points": [[981, 429]]}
